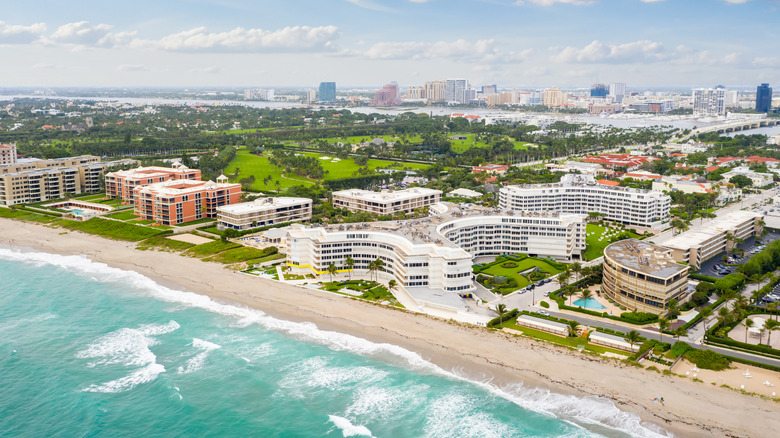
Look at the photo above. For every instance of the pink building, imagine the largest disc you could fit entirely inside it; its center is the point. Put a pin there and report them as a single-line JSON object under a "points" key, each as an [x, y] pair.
{"points": [[387, 96]]}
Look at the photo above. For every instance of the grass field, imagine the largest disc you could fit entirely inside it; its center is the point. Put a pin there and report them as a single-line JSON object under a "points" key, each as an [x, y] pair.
{"points": [[560, 340], [460, 146], [125, 215], [595, 247], [259, 166], [241, 254], [211, 248], [162, 242], [523, 265]]}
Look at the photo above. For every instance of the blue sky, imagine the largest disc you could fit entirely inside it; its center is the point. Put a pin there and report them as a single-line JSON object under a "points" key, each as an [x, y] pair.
{"points": [[279, 43]]}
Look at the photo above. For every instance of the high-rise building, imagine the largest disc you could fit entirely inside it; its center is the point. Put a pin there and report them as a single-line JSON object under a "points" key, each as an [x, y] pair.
{"points": [[455, 91], [327, 92], [617, 90], [487, 90], [259, 94], [387, 96], [553, 98], [311, 96], [709, 101], [7, 153], [599, 90], [763, 98], [435, 91], [732, 99], [416, 93]]}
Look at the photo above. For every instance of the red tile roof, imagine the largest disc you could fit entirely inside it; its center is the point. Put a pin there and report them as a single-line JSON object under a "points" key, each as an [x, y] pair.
{"points": [[607, 182]]}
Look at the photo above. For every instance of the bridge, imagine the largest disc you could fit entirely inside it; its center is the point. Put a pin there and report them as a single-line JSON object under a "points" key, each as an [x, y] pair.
{"points": [[733, 126]]}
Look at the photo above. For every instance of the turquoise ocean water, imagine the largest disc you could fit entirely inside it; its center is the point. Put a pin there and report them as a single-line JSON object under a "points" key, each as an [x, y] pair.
{"points": [[91, 351]]}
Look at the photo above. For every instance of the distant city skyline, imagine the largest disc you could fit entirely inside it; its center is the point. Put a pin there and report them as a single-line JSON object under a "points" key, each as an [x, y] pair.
{"points": [[367, 43]]}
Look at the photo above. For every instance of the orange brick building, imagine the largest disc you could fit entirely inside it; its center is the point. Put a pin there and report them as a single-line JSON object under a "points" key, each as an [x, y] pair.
{"points": [[178, 201], [122, 184]]}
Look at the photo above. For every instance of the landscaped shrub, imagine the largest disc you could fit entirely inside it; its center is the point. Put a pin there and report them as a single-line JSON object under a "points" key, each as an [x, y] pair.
{"points": [[702, 277], [706, 288], [536, 275], [707, 359], [509, 265], [731, 282], [639, 317], [699, 298], [507, 317], [544, 304]]}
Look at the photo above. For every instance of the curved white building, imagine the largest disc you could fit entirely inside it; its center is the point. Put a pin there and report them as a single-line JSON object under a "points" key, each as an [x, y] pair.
{"points": [[558, 236], [412, 264], [581, 194]]}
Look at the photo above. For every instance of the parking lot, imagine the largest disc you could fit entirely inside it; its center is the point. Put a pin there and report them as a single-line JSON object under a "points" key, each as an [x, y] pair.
{"points": [[750, 246]]}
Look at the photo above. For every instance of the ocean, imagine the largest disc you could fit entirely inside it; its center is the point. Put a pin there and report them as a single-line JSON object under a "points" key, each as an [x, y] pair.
{"points": [[91, 351]]}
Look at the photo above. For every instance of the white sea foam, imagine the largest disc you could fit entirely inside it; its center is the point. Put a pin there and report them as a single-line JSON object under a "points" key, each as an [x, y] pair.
{"points": [[377, 401], [347, 428], [15, 323], [315, 372], [565, 407], [455, 415], [196, 362], [138, 377]]}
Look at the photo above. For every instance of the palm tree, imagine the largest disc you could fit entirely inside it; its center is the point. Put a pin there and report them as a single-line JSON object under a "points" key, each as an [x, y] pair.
{"points": [[673, 310], [740, 302], [573, 328], [772, 307], [501, 310], [571, 292], [705, 313], [748, 324], [663, 324], [576, 268], [378, 265], [391, 285], [332, 270], [632, 338], [679, 332], [371, 269], [585, 295], [770, 326], [350, 262], [563, 279]]}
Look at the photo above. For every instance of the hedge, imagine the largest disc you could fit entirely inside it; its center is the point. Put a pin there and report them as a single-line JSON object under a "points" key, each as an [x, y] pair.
{"points": [[544, 304], [707, 359], [757, 348], [636, 318], [702, 278], [755, 364], [507, 316], [698, 318]]}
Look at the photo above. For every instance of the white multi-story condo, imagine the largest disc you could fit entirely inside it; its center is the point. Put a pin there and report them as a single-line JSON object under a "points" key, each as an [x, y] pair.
{"points": [[263, 212], [412, 263], [7, 154], [709, 101], [581, 194], [554, 235], [704, 242], [386, 202]]}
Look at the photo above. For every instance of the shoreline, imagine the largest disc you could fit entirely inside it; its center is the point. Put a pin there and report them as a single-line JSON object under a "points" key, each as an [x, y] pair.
{"points": [[692, 409]]}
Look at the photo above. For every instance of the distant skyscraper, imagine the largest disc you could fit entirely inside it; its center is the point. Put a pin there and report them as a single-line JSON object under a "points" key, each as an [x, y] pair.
{"points": [[553, 98], [327, 92], [456, 91], [387, 96], [435, 91], [763, 98], [599, 90], [709, 101], [617, 91], [311, 96], [487, 90]]}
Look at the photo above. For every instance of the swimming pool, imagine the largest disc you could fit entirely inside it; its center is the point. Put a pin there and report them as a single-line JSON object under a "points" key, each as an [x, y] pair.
{"points": [[590, 304]]}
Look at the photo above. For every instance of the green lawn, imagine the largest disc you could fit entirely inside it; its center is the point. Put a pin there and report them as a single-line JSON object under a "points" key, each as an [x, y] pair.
{"points": [[237, 255], [259, 166], [595, 247], [125, 215], [461, 146], [523, 265], [413, 139], [162, 242], [111, 229], [560, 340], [211, 248]]}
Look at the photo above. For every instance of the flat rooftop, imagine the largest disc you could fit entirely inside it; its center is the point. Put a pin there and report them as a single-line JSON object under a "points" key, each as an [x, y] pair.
{"points": [[386, 195], [262, 204], [708, 230], [644, 257]]}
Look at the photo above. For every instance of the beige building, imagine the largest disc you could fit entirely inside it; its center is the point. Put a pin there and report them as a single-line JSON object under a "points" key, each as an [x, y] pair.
{"points": [[642, 276], [702, 243], [436, 91], [7, 154], [386, 202], [554, 98], [263, 212]]}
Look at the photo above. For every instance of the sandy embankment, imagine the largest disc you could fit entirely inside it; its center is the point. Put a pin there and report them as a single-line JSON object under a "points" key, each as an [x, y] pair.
{"points": [[692, 408]]}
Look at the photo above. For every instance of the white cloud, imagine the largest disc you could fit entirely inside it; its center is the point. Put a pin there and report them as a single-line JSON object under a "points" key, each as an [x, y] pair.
{"points": [[212, 69], [240, 40], [132, 67], [737, 2], [598, 52], [552, 2], [81, 34], [458, 50], [368, 4], [767, 61], [20, 34]]}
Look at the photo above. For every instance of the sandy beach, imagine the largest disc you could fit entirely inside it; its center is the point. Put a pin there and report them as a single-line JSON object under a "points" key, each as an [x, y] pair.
{"points": [[691, 408]]}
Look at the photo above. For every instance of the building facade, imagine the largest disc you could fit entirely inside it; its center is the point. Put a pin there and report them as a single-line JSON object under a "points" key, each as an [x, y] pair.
{"points": [[764, 98], [709, 102], [263, 212], [387, 96], [178, 201], [700, 244], [643, 277], [122, 184], [558, 236], [411, 264], [456, 91], [580, 194], [386, 202], [7, 154], [327, 92]]}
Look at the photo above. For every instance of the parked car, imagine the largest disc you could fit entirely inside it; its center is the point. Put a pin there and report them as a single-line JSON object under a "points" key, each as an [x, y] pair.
{"points": [[543, 312]]}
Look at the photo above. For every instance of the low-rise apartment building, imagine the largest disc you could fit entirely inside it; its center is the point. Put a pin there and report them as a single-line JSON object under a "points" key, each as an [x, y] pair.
{"points": [[122, 184], [558, 236], [7, 154], [759, 179], [263, 212], [700, 244], [386, 202], [179, 201], [643, 277], [580, 194]]}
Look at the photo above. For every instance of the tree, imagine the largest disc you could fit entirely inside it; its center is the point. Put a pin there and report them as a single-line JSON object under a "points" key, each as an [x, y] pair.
{"points": [[679, 225], [350, 262], [679, 332], [576, 268], [563, 279], [501, 310], [378, 265], [632, 338], [770, 326], [663, 324], [673, 310], [573, 329], [705, 313], [585, 295], [772, 307], [392, 284], [748, 324], [332, 270], [371, 269], [741, 181]]}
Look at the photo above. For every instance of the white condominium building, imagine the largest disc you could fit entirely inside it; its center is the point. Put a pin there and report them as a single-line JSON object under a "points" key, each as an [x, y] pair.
{"points": [[410, 262], [7, 154], [581, 194], [386, 202], [558, 236], [263, 212], [701, 244], [38, 185], [709, 101]]}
